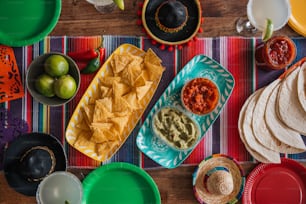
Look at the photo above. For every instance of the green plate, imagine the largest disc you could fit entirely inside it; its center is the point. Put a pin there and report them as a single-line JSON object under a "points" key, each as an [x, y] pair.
{"points": [[118, 183], [25, 22]]}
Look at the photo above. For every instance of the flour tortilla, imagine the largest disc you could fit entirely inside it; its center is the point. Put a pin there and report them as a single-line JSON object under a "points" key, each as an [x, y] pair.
{"points": [[288, 106], [254, 144], [284, 134], [301, 86], [260, 129], [255, 154], [272, 156]]}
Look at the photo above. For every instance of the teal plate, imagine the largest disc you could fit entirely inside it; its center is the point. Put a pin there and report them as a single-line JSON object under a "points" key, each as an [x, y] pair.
{"points": [[25, 22], [118, 183], [199, 66]]}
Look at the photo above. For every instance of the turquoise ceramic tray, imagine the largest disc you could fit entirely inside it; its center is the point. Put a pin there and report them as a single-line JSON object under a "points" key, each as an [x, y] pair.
{"points": [[199, 66]]}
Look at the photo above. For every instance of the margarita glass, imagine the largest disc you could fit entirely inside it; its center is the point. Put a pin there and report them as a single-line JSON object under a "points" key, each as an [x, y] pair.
{"points": [[258, 11], [103, 6]]}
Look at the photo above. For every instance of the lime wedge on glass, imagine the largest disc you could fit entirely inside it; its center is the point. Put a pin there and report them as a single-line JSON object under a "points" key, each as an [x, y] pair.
{"points": [[268, 31], [119, 3]]}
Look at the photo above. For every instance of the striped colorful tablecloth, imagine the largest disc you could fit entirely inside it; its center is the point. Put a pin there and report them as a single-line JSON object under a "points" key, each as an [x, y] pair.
{"points": [[234, 53]]}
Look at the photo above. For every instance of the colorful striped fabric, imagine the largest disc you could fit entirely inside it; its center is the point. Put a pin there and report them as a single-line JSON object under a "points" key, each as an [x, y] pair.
{"points": [[234, 53]]}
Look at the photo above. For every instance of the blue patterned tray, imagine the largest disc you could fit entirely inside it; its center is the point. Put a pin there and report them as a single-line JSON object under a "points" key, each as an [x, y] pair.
{"points": [[199, 66]]}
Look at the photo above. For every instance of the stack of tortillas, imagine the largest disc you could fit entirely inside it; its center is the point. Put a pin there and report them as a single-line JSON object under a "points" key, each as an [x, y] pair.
{"points": [[273, 119]]}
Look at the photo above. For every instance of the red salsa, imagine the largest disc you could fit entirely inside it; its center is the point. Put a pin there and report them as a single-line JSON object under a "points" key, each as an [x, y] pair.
{"points": [[277, 53], [200, 96]]}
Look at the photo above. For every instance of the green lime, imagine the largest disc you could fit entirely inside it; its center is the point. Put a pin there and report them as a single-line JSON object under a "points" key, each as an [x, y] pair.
{"points": [[65, 87], [56, 65], [44, 85], [268, 31], [119, 3]]}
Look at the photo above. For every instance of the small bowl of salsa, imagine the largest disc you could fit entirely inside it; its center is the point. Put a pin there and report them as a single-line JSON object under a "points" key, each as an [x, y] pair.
{"points": [[175, 128], [276, 53], [200, 96]]}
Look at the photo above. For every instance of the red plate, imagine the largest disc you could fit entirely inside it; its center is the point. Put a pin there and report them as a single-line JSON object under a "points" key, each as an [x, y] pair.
{"points": [[276, 183]]}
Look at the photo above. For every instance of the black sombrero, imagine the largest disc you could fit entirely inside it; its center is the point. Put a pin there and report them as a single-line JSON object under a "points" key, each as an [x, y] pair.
{"points": [[30, 158], [171, 22]]}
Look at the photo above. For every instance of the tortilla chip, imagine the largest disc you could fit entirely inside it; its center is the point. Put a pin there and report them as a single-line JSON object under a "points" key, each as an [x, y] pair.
{"points": [[98, 136], [135, 59], [103, 132], [119, 62], [83, 124], [84, 142], [88, 113], [105, 125], [101, 113], [155, 71], [120, 89], [140, 80], [141, 91], [108, 81], [102, 150], [120, 123], [130, 74], [107, 102], [132, 101], [105, 91], [151, 57], [111, 134], [119, 104], [113, 145]]}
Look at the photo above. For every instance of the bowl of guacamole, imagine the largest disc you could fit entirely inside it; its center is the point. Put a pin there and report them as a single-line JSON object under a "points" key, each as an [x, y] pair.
{"points": [[175, 128]]}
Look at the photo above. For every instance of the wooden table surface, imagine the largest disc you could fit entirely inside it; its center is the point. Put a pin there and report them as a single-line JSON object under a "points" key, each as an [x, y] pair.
{"points": [[81, 18]]}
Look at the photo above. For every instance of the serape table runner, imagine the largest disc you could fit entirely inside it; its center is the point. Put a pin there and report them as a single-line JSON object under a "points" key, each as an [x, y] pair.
{"points": [[234, 53]]}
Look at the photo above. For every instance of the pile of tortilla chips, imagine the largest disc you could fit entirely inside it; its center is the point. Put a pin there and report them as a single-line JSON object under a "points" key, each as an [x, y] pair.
{"points": [[106, 118]]}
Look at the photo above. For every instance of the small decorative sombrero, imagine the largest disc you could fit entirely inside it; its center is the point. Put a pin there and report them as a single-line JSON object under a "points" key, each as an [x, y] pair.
{"points": [[30, 158], [218, 179], [171, 22]]}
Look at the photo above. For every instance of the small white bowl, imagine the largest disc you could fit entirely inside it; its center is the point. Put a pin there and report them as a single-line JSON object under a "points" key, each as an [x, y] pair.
{"points": [[60, 187]]}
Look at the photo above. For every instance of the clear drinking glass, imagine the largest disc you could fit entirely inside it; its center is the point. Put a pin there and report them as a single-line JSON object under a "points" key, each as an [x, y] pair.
{"points": [[258, 11], [103, 6], [60, 187]]}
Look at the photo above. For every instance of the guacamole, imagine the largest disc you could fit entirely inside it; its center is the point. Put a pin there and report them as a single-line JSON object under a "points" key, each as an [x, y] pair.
{"points": [[175, 127]]}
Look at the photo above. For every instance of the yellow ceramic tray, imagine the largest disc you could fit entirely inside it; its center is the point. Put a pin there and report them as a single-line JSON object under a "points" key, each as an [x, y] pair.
{"points": [[72, 132]]}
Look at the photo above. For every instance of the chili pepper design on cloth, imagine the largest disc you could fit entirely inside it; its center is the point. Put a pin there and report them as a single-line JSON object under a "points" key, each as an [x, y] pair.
{"points": [[10, 80]]}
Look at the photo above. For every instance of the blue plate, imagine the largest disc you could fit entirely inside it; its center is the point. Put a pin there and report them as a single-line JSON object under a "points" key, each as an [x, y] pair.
{"points": [[199, 66]]}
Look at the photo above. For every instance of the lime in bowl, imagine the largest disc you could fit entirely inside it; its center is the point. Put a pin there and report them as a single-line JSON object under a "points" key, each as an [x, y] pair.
{"points": [[53, 79]]}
